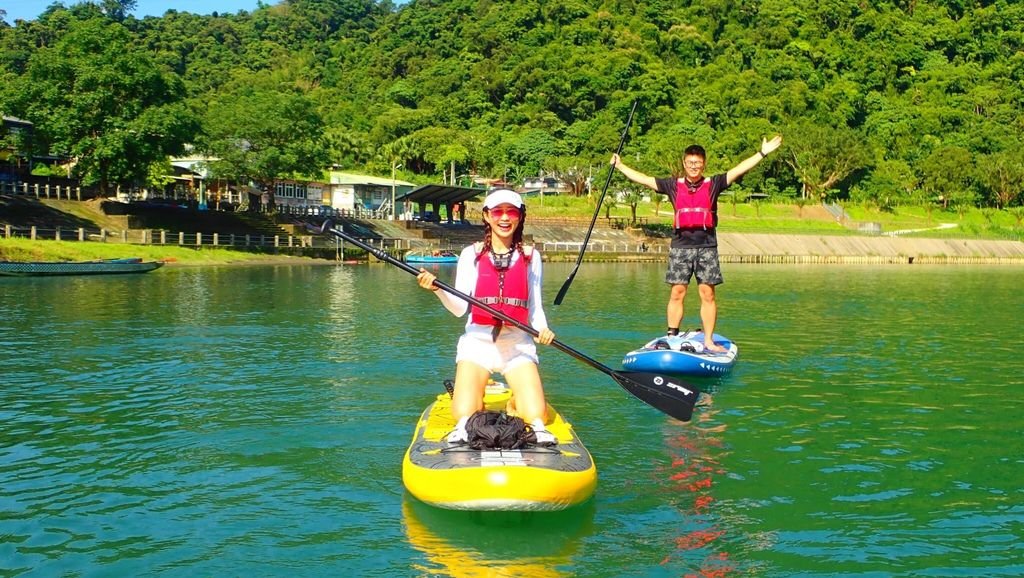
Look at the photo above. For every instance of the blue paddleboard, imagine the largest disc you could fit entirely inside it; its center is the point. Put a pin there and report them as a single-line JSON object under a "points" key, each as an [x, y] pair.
{"points": [[682, 354]]}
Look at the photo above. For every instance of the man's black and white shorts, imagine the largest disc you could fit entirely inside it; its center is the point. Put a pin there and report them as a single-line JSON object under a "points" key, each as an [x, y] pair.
{"points": [[701, 262]]}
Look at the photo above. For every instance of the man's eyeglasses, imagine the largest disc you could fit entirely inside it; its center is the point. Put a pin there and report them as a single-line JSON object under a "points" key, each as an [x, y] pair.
{"points": [[511, 212], [694, 164]]}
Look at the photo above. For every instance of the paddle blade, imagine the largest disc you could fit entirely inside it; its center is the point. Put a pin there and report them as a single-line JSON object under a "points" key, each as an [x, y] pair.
{"points": [[565, 287], [666, 394]]}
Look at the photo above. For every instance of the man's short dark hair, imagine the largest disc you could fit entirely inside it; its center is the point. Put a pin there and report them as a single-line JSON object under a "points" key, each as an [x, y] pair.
{"points": [[695, 150]]}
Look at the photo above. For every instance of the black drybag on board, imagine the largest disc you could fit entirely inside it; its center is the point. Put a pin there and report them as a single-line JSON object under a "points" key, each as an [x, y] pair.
{"points": [[496, 430]]}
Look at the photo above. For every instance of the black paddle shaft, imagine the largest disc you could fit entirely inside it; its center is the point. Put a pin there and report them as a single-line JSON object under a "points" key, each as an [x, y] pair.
{"points": [[664, 393], [383, 256], [597, 210]]}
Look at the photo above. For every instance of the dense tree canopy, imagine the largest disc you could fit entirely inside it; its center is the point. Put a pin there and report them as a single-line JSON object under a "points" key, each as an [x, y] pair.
{"points": [[884, 102], [263, 130], [97, 98]]}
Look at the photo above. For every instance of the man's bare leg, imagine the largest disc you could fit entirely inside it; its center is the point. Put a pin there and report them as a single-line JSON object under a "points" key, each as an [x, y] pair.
{"points": [[709, 316], [674, 311]]}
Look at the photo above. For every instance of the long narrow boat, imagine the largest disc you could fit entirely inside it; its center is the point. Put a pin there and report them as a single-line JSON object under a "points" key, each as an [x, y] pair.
{"points": [[433, 257], [98, 267], [457, 477]]}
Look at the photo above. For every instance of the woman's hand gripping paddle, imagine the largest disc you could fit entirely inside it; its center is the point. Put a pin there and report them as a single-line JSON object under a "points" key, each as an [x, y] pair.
{"points": [[597, 211], [664, 393]]}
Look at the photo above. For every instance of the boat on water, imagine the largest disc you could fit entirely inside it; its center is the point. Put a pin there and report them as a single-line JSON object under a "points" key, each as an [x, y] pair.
{"points": [[443, 256], [97, 267], [533, 478], [683, 354]]}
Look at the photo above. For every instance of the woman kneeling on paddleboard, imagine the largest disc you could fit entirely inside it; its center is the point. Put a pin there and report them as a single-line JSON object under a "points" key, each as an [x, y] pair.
{"points": [[505, 274]]}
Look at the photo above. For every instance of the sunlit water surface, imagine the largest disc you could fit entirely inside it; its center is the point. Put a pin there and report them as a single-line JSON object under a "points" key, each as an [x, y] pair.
{"points": [[250, 421]]}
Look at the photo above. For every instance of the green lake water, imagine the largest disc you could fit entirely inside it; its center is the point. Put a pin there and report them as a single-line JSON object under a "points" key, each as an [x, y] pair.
{"points": [[251, 421]]}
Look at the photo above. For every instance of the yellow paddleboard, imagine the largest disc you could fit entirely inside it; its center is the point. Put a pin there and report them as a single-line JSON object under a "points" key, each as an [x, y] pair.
{"points": [[457, 477]]}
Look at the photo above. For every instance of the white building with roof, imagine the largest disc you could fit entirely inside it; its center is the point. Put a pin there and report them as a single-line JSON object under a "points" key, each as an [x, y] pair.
{"points": [[364, 193]]}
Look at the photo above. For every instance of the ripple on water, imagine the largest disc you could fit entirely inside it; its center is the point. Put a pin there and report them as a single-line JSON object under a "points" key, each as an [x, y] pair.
{"points": [[253, 422]]}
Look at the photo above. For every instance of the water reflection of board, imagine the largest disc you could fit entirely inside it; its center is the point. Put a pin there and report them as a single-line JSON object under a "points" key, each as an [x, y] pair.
{"points": [[682, 354], [521, 544]]}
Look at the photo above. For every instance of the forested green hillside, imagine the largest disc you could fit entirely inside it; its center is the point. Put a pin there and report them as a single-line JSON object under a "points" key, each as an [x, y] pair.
{"points": [[884, 102]]}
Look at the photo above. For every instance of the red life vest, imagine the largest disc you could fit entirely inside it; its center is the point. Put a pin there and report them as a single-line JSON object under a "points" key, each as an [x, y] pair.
{"points": [[693, 209], [508, 292]]}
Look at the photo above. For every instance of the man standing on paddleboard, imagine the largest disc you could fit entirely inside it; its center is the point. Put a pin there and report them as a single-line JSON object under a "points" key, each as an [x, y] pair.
{"points": [[694, 249]]}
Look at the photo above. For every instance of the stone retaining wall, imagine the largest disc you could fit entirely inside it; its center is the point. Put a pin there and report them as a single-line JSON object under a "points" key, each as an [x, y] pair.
{"points": [[884, 249], [809, 249]]}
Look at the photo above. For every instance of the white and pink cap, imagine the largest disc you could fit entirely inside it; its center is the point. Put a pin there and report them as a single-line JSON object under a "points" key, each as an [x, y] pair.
{"points": [[501, 197]]}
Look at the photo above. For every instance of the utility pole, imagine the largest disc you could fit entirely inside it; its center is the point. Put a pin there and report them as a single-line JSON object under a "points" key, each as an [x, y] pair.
{"points": [[394, 167]]}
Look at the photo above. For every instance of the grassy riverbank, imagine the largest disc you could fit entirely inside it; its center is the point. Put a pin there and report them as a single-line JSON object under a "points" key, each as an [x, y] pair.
{"points": [[763, 217], [18, 249], [757, 217], [793, 225]]}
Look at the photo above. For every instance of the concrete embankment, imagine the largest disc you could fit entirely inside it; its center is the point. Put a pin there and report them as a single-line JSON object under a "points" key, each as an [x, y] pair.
{"points": [[777, 248], [560, 241], [761, 248]]}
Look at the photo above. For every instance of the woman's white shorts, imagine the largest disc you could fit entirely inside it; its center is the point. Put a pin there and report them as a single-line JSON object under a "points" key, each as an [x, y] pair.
{"points": [[513, 347]]}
